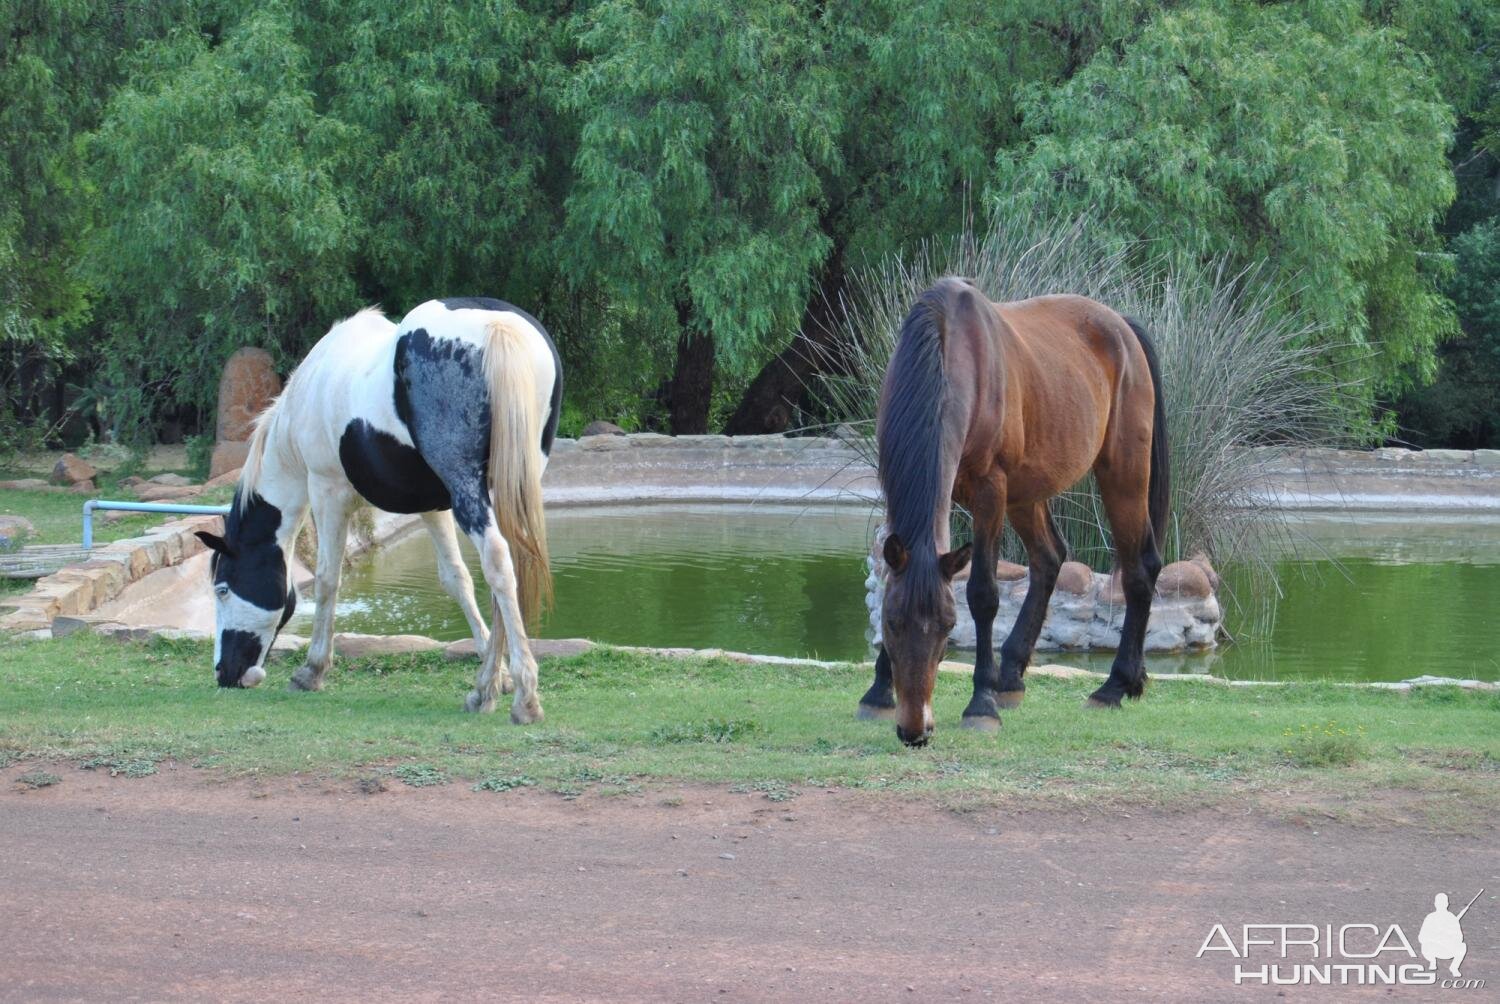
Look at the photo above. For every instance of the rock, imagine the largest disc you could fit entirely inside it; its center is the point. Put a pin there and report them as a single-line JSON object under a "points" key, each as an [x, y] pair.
{"points": [[14, 530], [355, 646], [1076, 578], [1009, 571], [559, 648], [71, 469], [227, 478], [229, 456], [66, 625], [461, 650], [1487, 458], [247, 387], [83, 488], [167, 493], [1447, 456], [1184, 578], [541, 648], [602, 428], [1201, 560], [601, 443], [172, 480], [26, 485]]}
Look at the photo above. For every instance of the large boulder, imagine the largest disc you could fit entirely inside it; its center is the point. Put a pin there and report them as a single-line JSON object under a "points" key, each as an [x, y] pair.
{"points": [[71, 469], [227, 457], [246, 389]]}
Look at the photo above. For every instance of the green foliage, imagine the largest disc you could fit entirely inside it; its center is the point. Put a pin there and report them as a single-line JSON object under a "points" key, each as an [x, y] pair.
{"points": [[1295, 134], [702, 131], [182, 177], [222, 221], [1462, 407]]}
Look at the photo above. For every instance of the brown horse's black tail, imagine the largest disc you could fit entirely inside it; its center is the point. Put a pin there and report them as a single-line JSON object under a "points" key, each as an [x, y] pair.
{"points": [[1160, 489]]}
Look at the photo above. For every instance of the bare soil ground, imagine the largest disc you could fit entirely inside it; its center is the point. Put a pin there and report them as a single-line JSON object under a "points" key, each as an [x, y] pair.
{"points": [[186, 886]]}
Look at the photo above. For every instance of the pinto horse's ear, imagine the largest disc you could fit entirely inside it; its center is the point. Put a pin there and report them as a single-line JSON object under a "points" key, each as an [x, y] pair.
{"points": [[213, 541], [896, 554], [955, 561]]}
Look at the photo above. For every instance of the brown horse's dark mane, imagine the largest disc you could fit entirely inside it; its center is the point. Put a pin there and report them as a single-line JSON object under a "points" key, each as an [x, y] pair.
{"points": [[910, 440]]}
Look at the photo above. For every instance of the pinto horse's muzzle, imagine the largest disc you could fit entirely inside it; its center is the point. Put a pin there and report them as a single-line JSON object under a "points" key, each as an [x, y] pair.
{"points": [[239, 660]]}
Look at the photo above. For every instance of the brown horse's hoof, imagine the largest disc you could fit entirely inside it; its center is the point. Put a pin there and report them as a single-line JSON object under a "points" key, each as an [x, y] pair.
{"points": [[1009, 698], [870, 713], [1094, 702], [979, 723]]}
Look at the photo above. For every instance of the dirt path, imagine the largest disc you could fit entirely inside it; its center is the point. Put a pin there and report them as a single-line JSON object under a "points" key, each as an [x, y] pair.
{"points": [[180, 887]]}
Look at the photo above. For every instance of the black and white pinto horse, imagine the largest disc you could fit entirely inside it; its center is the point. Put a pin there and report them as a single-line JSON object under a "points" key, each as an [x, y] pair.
{"points": [[450, 414]]}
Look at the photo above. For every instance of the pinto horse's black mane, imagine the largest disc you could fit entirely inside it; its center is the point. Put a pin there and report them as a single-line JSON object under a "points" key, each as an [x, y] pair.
{"points": [[910, 437]]}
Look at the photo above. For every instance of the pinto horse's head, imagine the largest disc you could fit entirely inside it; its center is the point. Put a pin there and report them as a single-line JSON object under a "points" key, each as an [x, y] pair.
{"points": [[919, 614], [253, 598]]}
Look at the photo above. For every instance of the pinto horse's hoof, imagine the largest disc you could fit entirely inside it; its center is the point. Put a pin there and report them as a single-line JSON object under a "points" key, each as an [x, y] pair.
{"points": [[476, 703], [507, 684], [980, 723], [304, 679], [1102, 703], [1009, 699], [526, 714], [870, 713]]}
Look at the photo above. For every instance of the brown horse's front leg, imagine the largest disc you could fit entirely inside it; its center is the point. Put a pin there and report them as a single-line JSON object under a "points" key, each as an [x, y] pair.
{"points": [[879, 701], [987, 503]]}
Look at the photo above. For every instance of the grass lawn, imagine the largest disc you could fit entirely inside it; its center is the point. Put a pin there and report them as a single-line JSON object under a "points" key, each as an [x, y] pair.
{"points": [[617, 722]]}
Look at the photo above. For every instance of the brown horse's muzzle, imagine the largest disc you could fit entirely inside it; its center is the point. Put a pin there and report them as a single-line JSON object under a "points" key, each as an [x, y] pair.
{"points": [[914, 729]]}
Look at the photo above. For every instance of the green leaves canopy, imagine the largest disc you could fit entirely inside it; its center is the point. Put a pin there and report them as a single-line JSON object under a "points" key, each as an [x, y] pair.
{"points": [[1298, 134]]}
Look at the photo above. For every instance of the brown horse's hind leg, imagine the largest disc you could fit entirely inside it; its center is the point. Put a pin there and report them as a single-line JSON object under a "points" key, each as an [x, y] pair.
{"points": [[991, 693], [1139, 563], [879, 701], [1045, 552]]}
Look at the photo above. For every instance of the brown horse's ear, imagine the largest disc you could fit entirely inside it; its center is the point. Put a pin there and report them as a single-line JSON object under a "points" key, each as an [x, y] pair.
{"points": [[896, 554], [213, 541], [955, 561]]}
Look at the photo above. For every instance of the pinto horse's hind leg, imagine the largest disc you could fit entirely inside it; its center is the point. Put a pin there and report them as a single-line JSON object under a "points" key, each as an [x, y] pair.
{"points": [[331, 505], [1139, 563], [454, 575], [500, 574]]}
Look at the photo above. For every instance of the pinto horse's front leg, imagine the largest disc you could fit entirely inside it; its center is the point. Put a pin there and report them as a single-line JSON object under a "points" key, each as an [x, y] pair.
{"points": [[331, 505]]}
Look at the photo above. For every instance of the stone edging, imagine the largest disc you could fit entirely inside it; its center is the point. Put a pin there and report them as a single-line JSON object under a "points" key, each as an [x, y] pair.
{"points": [[78, 589], [351, 646]]}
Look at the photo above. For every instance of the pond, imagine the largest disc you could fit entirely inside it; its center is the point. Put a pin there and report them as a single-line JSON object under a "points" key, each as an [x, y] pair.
{"points": [[1372, 599]]}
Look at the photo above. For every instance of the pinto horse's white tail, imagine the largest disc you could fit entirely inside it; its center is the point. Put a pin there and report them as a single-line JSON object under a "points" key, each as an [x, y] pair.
{"points": [[516, 459]]}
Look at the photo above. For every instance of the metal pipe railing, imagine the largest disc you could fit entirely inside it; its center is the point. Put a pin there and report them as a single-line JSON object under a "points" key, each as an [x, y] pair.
{"points": [[91, 505]]}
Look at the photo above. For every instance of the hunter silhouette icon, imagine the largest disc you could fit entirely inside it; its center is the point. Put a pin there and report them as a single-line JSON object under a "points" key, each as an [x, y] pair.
{"points": [[1441, 936]]}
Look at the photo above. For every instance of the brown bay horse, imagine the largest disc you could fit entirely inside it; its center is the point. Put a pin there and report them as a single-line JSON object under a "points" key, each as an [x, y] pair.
{"points": [[1000, 406]]}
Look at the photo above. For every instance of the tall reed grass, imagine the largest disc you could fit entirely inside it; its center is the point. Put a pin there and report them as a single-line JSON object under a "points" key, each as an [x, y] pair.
{"points": [[1240, 371]]}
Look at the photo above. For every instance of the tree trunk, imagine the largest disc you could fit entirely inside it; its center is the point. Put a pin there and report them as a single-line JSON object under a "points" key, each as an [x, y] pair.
{"points": [[692, 388], [776, 395]]}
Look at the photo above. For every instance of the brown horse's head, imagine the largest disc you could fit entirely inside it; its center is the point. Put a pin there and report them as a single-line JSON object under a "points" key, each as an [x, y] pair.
{"points": [[919, 614]]}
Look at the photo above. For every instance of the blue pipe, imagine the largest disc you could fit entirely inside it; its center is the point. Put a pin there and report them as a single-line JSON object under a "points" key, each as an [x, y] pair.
{"points": [[168, 507]]}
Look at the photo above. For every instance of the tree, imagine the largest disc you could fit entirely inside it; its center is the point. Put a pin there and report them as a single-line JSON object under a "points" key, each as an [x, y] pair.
{"points": [[223, 215], [1298, 134], [702, 132], [59, 59], [927, 96]]}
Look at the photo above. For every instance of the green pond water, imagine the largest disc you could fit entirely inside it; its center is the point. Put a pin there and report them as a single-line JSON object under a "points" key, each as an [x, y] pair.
{"points": [[1381, 599]]}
